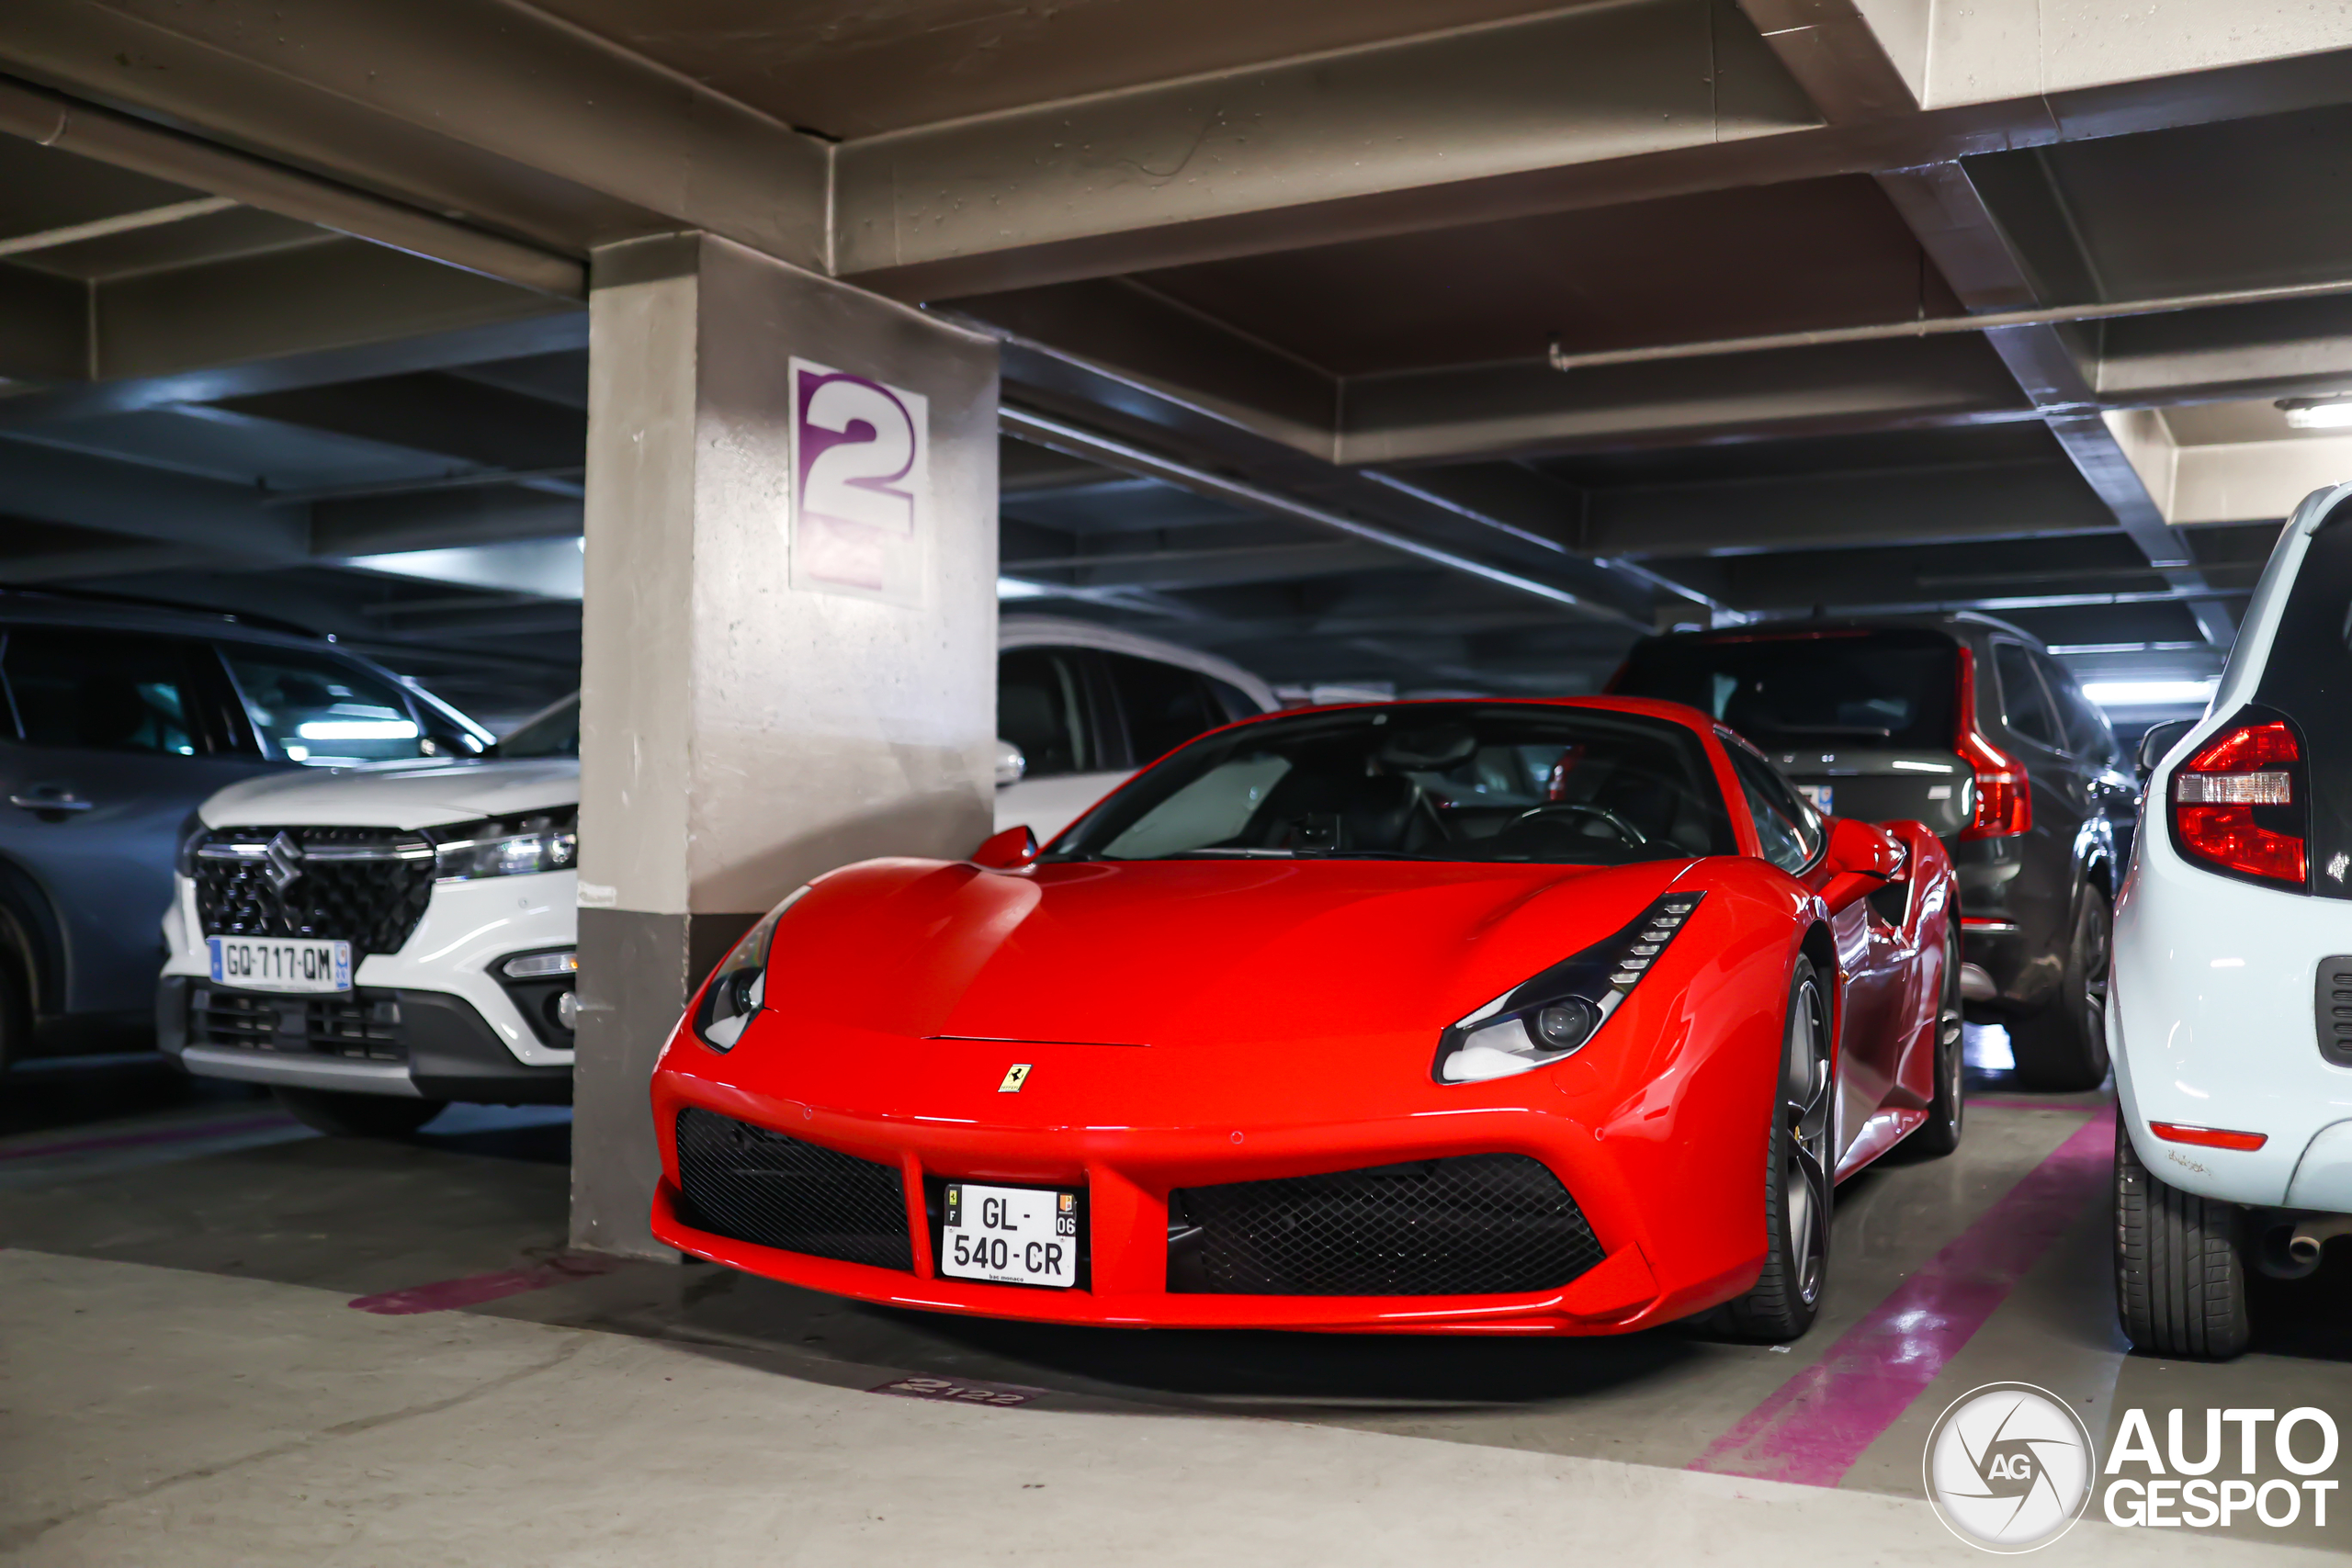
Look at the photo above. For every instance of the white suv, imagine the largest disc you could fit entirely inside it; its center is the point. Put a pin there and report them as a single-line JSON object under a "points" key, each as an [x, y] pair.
{"points": [[2230, 1018], [375, 941]]}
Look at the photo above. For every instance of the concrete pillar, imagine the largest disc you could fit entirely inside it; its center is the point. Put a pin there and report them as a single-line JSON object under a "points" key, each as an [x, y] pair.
{"points": [[789, 643]]}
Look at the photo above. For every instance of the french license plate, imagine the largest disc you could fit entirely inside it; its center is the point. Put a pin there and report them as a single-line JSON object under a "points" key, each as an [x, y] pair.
{"points": [[276, 964], [1010, 1235], [1824, 798]]}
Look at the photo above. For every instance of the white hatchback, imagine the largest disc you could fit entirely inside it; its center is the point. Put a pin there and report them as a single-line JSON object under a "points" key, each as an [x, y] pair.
{"points": [[2230, 1016]]}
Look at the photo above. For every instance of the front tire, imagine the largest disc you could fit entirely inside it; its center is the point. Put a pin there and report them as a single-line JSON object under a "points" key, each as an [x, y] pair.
{"points": [[1798, 1178], [2180, 1265], [342, 1115], [2063, 1046]]}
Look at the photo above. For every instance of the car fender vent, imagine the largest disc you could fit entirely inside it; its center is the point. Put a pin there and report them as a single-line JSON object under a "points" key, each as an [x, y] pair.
{"points": [[2333, 1007]]}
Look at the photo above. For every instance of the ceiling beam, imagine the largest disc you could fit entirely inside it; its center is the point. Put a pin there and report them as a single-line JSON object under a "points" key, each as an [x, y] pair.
{"points": [[1307, 150], [1987, 267], [528, 332], [524, 124], [1845, 59], [436, 520], [120, 223], [531, 127], [2024, 498], [1584, 108], [1528, 408], [448, 416], [340, 293], [51, 485], [1159, 437], [1176, 570], [238, 178]]}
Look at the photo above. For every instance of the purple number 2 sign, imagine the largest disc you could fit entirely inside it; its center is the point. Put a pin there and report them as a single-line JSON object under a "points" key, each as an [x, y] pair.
{"points": [[861, 456]]}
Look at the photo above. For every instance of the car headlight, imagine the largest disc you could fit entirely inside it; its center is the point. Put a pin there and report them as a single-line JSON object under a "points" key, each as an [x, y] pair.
{"points": [[1549, 1018], [507, 846], [739, 986]]}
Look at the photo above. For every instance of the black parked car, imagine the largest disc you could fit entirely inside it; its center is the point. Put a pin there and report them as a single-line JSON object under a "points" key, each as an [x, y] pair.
{"points": [[116, 719], [1967, 724]]}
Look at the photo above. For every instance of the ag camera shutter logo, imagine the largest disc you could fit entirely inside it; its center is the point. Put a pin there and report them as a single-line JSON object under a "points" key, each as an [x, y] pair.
{"points": [[2009, 1466]]}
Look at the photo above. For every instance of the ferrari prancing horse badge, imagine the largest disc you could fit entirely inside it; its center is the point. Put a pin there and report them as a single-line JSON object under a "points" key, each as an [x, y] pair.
{"points": [[1014, 1076]]}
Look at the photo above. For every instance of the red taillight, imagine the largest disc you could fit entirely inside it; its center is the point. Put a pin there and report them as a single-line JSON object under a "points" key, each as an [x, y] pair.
{"points": [[2216, 791], [2208, 1137], [2004, 794]]}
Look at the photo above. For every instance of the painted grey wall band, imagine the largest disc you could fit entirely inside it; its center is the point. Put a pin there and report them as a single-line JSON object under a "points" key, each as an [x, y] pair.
{"points": [[789, 641]]}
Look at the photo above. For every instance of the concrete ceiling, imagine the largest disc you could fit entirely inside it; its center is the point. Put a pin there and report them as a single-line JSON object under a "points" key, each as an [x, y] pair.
{"points": [[288, 289]]}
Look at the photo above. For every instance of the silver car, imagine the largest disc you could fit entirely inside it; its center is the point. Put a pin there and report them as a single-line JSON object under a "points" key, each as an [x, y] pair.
{"points": [[116, 720]]}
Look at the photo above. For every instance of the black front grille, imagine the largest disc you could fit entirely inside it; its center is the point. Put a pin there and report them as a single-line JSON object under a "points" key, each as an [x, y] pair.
{"points": [[1478, 1225], [359, 1025], [2333, 1007], [364, 886], [746, 1182]]}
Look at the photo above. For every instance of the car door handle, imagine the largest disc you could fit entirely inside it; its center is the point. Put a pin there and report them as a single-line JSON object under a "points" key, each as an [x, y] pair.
{"points": [[48, 803]]}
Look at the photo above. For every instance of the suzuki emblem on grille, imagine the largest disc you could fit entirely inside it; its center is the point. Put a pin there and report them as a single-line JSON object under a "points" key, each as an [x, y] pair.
{"points": [[1014, 1076], [285, 857]]}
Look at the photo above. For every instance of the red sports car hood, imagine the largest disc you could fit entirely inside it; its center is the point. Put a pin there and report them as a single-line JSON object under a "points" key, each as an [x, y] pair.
{"points": [[1177, 952]]}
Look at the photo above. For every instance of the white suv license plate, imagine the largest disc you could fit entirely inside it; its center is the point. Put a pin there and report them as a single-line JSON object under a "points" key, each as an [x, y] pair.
{"points": [[1010, 1235], [275, 963]]}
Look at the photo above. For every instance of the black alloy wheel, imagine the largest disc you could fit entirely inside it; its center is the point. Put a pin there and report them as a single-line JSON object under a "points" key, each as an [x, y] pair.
{"points": [[2063, 1046], [340, 1115], [1940, 1134], [1799, 1176]]}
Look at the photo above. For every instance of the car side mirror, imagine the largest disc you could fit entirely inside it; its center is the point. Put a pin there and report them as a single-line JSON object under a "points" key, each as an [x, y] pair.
{"points": [[1868, 851], [1012, 763], [2159, 740], [1860, 860], [1008, 851]]}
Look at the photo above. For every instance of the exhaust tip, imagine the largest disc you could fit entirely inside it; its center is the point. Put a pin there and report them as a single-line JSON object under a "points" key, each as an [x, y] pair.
{"points": [[1975, 985]]}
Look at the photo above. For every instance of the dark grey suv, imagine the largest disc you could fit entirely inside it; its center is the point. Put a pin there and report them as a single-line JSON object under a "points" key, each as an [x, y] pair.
{"points": [[1968, 725], [116, 720]]}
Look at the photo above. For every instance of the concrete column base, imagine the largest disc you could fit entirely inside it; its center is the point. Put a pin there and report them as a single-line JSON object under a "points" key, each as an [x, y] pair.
{"points": [[636, 972]]}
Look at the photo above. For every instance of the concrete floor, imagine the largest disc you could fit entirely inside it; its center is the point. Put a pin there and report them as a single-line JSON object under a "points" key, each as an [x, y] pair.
{"points": [[185, 1381]]}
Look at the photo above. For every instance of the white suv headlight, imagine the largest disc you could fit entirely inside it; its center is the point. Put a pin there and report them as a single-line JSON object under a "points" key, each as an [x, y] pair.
{"points": [[507, 846]]}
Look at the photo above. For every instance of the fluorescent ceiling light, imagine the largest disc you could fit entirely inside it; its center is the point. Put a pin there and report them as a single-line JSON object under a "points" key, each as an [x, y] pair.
{"points": [[548, 568], [2317, 413], [357, 730], [2150, 694], [1021, 588]]}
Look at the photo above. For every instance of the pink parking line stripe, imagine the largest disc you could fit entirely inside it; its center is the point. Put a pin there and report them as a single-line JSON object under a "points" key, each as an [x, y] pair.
{"points": [[164, 1135], [448, 1295], [1814, 1426]]}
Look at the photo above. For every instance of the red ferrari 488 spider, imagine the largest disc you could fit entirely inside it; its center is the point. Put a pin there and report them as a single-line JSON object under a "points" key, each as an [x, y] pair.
{"points": [[1515, 1017]]}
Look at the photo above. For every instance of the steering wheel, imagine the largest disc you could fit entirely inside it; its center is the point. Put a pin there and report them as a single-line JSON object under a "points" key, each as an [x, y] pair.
{"points": [[1625, 832]]}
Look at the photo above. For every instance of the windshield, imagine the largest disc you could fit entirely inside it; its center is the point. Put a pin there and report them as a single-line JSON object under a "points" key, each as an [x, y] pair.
{"points": [[1441, 781], [554, 733], [1892, 689]]}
